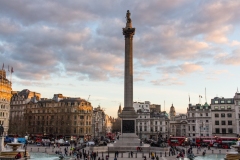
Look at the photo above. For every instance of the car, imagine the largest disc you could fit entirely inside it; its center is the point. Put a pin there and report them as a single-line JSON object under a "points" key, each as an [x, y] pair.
{"points": [[107, 140], [90, 143], [39, 144], [102, 143], [215, 144], [66, 144]]}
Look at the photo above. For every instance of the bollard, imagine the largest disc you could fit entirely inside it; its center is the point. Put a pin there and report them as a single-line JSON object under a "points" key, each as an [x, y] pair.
{"points": [[160, 154], [149, 154], [97, 153], [128, 154], [220, 151], [165, 154], [88, 152], [136, 155], [122, 154], [45, 149], [227, 150], [169, 154], [212, 151], [108, 153], [31, 149], [38, 149], [102, 154]]}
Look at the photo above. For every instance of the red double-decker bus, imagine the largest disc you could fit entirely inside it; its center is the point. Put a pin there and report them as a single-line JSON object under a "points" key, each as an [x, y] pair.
{"points": [[176, 141], [226, 142], [205, 141]]}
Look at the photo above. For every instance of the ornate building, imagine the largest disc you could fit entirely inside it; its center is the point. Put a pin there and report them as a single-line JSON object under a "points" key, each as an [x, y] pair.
{"points": [[60, 116], [5, 97], [98, 122], [19, 101], [178, 123]]}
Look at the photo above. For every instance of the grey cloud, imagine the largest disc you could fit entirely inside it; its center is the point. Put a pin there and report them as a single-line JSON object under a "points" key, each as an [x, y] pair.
{"points": [[167, 81], [229, 59], [84, 38]]}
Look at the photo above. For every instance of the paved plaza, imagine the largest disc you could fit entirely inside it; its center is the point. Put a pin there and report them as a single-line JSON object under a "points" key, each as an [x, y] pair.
{"points": [[125, 155]]}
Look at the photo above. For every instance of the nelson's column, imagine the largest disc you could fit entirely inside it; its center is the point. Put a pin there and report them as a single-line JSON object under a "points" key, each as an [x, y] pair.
{"points": [[128, 139]]}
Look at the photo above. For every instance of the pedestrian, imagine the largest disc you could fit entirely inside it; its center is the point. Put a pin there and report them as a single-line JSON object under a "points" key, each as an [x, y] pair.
{"points": [[131, 154], [157, 158]]}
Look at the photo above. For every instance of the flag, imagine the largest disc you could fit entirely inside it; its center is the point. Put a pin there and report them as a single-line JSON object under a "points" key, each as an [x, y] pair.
{"points": [[3, 66], [12, 70]]}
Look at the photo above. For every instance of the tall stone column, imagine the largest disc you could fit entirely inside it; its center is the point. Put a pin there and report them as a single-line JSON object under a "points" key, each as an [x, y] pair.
{"points": [[128, 114]]}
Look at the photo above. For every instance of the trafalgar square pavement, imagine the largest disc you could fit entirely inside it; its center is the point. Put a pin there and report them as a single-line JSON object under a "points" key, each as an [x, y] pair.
{"points": [[125, 155]]}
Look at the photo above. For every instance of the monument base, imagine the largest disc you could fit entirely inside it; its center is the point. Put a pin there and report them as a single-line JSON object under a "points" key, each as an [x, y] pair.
{"points": [[127, 142]]}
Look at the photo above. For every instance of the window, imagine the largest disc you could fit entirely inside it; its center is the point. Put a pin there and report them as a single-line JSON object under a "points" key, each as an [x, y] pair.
{"points": [[193, 121], [192, 114], [229, 122], [222, 107], [193, 128], [223, 123], [216, 102], [207, 121], [206, 114], [216, 122], [216, 115], [188, 128], [229, 115], [222, 101], [229, 101], [216, 107], [230, 130], [201, 114], [217, 130], [155, 122], [222, 114], [229, 107], [223, 130]]}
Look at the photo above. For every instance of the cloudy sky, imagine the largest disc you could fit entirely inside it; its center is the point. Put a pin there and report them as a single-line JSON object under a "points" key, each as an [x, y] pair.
{"points": [[77, 48]]}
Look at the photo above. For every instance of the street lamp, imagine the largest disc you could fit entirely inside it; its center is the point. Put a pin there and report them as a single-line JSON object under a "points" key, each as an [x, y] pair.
{"points": [[186, 141], [25, 153]]}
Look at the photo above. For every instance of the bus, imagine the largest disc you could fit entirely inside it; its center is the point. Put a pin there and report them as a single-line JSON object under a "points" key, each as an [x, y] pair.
{"points": [[226, 142], [176, 141], [205, 141]]}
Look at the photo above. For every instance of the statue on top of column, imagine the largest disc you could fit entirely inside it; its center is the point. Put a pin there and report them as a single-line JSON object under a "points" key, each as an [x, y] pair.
{"points": [[128, 17]]}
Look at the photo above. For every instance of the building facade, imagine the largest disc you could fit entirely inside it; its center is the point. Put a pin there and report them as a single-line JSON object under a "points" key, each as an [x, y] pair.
{"points": [[223, 117], [19, 101], [199, 119], [99, 122], [60, 116], [5, 98]]}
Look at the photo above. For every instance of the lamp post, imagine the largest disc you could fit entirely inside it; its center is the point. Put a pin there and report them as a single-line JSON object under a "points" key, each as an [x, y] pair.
{"points": [[186, 140], [25, 153]]}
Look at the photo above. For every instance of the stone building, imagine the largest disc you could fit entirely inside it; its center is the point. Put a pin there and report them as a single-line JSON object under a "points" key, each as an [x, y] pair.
{"points": [[5, 97], [19, 101], [178, 123], [150, 121], [224, 117], [60, 116], [199, 120], [98, 122], [237, 111]]}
